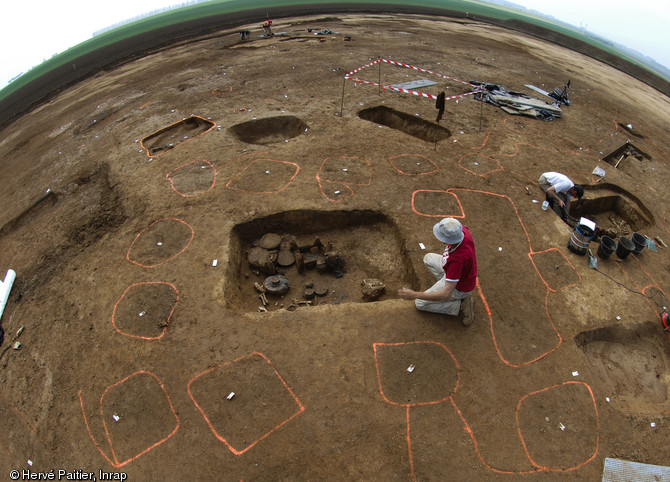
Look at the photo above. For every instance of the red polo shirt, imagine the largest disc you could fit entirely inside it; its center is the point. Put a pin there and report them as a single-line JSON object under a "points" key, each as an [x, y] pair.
{"points": [[461, 264]]}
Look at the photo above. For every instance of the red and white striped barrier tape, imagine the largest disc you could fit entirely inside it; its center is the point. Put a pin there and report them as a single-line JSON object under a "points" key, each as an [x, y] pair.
{"points": [[350, 76]]}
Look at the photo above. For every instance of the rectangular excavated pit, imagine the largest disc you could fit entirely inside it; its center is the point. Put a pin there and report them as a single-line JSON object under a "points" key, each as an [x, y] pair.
{"points": [[369, 243], [622, 153], [615, 211], [403, 122], [176, 134]]}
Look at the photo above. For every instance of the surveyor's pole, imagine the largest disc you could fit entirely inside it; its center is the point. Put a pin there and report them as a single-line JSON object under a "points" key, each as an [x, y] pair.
{"points": [[379, 70], [481, 113]]}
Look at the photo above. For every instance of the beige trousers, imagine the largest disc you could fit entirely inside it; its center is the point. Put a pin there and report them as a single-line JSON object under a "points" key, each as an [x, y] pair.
{"points": [[450, 307]]}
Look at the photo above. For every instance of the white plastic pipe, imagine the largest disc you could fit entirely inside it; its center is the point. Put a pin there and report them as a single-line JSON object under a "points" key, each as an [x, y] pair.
{"points": [[5, 288]]}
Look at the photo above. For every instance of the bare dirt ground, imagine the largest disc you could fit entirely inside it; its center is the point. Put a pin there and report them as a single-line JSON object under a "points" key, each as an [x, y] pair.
{"points": [[121, 192]]}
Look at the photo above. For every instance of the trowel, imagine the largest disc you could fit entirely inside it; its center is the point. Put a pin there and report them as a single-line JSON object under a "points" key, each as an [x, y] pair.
{"points": [[651, 245], [593, 261]]}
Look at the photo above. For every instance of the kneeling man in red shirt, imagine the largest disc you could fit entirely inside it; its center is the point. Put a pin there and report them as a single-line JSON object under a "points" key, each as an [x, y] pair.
{"points": [[455, 271]]}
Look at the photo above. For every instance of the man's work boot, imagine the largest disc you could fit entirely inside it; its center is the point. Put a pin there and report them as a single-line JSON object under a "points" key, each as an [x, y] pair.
{"points": [[468, 309]]}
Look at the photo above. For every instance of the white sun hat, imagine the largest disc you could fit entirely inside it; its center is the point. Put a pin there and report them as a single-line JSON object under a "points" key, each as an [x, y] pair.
{"points": [[449, 231]]}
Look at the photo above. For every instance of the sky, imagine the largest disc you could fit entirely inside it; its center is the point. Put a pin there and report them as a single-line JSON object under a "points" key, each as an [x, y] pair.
{"points": [[33, 31], [641, 25]]}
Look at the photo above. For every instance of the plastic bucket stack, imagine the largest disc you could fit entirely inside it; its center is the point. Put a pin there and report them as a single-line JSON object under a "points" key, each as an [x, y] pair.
{"points": [[580, 239], [607, 247], [625, 247]]}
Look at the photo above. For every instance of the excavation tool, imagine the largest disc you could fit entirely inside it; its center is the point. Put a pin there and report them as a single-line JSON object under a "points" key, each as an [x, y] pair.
{"points": [[561, 96], [593, 262], [15, 344]]}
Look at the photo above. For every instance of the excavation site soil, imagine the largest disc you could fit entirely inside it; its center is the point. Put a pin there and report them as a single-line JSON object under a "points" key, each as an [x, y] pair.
{"points": [[208, 243]]}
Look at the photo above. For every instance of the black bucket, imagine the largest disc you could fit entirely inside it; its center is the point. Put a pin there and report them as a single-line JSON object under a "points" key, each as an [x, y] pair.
{"points": [[639, 241], [625, 247], [580, 239], [607, 247]]}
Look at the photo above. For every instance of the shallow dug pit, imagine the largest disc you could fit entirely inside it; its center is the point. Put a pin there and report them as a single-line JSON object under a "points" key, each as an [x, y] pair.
{"points": [[269, 130], [173, 135], [369, 246], [409, 124], [628, 150], [631, 363], [615, 211]]}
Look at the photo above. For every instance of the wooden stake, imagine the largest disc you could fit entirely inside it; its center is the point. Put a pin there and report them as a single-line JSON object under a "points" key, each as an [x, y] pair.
{"points": [[342, 104], [619, 161], [380, 75], [481, 113]]}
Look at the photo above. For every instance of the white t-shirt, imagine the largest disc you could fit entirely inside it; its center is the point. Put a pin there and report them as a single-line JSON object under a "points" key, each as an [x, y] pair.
{"points": [[560, 182]]}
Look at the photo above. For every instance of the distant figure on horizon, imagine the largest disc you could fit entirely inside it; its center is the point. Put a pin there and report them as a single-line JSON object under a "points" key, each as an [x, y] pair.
{"points": [[267, 28]]}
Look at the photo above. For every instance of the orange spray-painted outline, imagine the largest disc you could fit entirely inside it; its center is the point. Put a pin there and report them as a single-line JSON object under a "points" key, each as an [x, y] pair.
{"points": [[534, 127], [530, 255], [523, 442], [539, 468], [214, 168], [209, 423], [516, 151], [461, 216], [471, 433], [169, 259], [166, 321], [467, 427], [541, 148], [390, 159], [32, 427], [495, 340], [6, 449], [645, 288], [570, 151], [167, 176], [481, 293], [344, 184], [610, 136], [649, 145], [409, 443], [222, 93], [501, 168], [409, 405], [297, 169], [486, 139], [115, 462], [379, 378]]}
